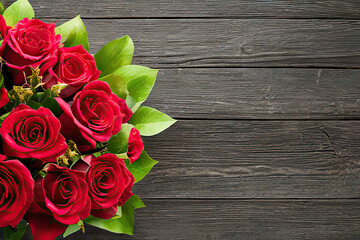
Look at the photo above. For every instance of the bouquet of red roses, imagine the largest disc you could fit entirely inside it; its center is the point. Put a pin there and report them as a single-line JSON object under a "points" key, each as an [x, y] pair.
{"points": [[71, 126]]}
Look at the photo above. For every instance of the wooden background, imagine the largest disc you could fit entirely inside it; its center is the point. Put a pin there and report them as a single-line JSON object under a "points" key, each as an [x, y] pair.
{"points": [[267, 94]]}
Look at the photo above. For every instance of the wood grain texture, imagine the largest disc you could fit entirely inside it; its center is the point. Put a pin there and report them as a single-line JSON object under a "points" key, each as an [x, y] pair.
{"points": [[197, 8], [234, 42], [236, 219], [257, 93], [248, 220], [255, 159], [275, 151]]}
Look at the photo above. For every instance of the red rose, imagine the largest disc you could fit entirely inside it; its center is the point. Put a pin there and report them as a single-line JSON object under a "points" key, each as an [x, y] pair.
{"points": [[30, 43], [60, 197], [16, 191], [29, 133], [110, 184], [76, 67], [136, 145], [125, 110], [95, 115], [4, 99], [3, 28]]}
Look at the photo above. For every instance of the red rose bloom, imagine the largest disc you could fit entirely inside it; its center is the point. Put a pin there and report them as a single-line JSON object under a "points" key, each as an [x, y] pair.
{"points": [[95, 115], [29, 133], [61, 198], [136, 145], [76, 67], [110, 184], [30, 43], [4, 99], [16, 191]]}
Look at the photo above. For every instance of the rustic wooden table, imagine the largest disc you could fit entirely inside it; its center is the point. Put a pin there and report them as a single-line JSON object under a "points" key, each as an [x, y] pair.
{"points": [[267, 94]]}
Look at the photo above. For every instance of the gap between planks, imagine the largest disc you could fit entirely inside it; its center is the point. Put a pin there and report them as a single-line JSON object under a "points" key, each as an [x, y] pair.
{"points": [[223, 18], [249, 199], [267, 119]]}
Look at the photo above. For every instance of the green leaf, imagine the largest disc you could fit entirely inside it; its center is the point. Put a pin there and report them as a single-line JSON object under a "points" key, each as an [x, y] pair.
{"points": [[141, 167], [33, 104], [122, 155], [97, 154], [118, 212], [117, 84], [2, 117], [71, 229], [136, 202], [150, 121], [74, 228], [52, 104], [42, 173], [125, 223], [10, 234], [140, 81], [1, 9], [119, 142], [17, 11], [44, 99], [9, 106], [73, 33], [132, 104], [1, 80], [115, 54]]}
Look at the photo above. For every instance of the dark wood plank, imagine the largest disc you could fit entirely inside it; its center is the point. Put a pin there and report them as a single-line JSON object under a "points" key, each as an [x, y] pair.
{"points": [[257, 93], [233, 42], [232, 219], [236, 219], [197, 8], [255, 159]]}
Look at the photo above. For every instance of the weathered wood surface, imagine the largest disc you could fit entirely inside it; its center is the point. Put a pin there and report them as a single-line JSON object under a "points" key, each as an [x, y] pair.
{"points": [[239, 219], [234, 42], [255, 159], [257, 93], [197, 8], [275, 150], [235, 219]]}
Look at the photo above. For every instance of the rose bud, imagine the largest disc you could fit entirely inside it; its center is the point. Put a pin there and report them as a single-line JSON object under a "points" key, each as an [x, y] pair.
{"points": [[16, 191], [110, 183], [61, 199], [135, 145], [30, 42], [29, 133], [4, 99], [94, 116], [76, 67], [125, 110], [3, 28]]}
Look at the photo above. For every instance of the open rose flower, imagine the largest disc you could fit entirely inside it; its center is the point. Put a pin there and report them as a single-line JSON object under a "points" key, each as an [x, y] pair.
{"points": [[136, 145], [61, 199], [95, 115], [30, 42], [29, 133], [16, 191], [76, 67], [110, 184]]}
